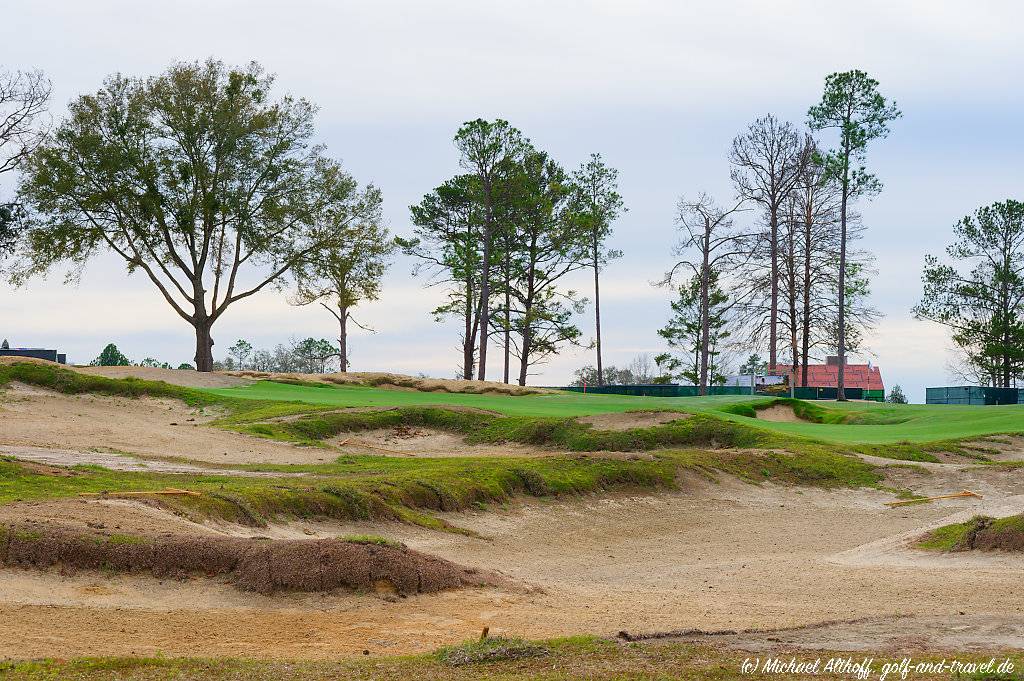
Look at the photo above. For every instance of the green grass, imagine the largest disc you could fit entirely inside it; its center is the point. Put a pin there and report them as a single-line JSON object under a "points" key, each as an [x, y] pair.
{"points": [[580, 657], [411, 489], [716, 435], [850, 423], [847, 423], [961, 536]]}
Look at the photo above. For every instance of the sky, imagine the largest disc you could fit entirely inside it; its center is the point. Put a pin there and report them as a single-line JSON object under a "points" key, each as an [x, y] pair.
{"points": [[660, 89]]}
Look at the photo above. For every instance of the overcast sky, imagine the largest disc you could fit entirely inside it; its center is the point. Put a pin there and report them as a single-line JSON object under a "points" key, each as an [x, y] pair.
{"points": [[659, 88]]}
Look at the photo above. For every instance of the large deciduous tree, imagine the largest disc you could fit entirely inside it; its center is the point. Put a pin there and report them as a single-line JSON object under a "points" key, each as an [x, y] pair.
{"points": [[851, 104], [767, 161], [340, 278], [24, 96], [198, 178], [598, 204], [979, 292]]}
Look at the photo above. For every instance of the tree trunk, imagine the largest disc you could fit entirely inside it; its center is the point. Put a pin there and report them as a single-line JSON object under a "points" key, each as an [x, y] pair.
{"points": [[773, 332], [469, 339], [524, 361], [342, 338], [485, 283], [841, 330], [705, 313], [791, 271], [805, 353], [204, 345], [597, 311], [508, 312]]}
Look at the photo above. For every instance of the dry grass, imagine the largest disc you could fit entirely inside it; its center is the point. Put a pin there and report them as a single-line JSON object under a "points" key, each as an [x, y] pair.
{"points": [[361, 563]]}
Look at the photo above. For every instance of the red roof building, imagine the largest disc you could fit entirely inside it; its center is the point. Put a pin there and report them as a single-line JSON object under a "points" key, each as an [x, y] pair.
{"points": [[826, 375]]}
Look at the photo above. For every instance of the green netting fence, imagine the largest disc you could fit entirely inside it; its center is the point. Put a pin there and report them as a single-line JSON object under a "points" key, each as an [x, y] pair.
{"points": [[974, 394], [670, 390]]}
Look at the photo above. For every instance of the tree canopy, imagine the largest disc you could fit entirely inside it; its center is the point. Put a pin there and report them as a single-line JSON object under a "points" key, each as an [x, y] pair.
{"points": [[340, 278], [978, 291], [197, 178]]}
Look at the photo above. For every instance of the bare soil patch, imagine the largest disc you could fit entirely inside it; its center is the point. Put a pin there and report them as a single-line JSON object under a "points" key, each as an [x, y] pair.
{"points": [[51, 461], [631, 419], [130, 516], [398, 382], [37, 418], [426, 442], [782, 413]]}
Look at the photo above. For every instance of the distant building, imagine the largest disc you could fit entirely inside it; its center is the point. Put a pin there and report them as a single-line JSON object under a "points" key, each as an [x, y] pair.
{"points": [[35, 353], [865, 379], [744, 380]]}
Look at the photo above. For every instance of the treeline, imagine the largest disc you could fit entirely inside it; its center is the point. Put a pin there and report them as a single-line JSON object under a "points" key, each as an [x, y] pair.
{"points": [[210, 187], [501, 237], [306, 356]]}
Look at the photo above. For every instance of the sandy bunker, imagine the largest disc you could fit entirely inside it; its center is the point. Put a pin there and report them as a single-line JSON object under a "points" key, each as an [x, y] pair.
{"points": [[629, 420], [782, 413]]}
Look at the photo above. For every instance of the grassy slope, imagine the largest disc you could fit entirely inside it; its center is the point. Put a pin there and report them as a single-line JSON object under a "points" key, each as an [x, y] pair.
{"points": [[496, 659], [867, 422], [961, 536], [365, 487]]}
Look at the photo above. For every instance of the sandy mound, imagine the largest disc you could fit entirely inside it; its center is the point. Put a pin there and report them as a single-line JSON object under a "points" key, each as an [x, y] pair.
{"points": [[7, 359], [983, 533], [406, 441], [59, 461], [182, 377], [779, 412], [631, 419], [131, 516], [38, 418], [264, 566], [399, 382]]}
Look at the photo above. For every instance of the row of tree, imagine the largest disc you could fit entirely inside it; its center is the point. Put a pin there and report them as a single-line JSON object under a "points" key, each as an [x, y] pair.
{"points": [[789, 280], [501, 238], [210, 188]]}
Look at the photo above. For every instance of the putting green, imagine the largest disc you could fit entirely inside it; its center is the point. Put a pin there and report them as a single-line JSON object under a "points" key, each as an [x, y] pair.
{"points": [[879, 423]]}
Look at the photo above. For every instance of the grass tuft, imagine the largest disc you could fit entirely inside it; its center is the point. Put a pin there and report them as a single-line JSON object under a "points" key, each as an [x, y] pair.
{"points": [[490, 650]]}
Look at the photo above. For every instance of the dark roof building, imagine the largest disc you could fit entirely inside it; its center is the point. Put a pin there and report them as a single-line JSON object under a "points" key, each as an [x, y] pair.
{"points": [[35, 353]]}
